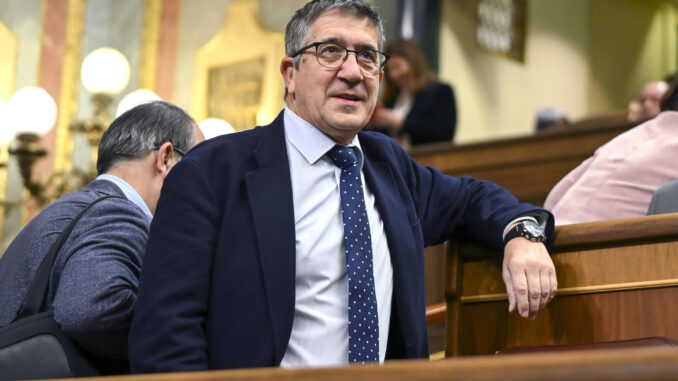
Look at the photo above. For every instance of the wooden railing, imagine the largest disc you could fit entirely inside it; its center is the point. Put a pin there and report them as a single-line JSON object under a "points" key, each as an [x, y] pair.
{"points": [[612, 365], [617, 280], [435, 313], [528, 166]]}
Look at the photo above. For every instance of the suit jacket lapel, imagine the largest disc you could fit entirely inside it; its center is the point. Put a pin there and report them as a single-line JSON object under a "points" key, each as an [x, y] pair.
{"points": [[401, 244], [270, 193]]}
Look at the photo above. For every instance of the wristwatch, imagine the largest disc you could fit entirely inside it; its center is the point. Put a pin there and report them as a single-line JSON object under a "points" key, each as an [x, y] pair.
{"points": [[527, 229]]}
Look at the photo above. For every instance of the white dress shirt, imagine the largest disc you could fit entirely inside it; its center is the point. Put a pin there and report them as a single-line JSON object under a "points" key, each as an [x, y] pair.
{"points": [[129, 192], [320, 326]]}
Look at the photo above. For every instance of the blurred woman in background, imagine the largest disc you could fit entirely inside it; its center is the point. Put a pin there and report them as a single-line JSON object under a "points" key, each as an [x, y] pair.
{"points": [[416, 107]]}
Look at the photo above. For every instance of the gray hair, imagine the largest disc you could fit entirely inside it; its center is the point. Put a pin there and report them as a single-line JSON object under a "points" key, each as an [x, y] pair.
{"points": [[143, 129], [298, 30]]}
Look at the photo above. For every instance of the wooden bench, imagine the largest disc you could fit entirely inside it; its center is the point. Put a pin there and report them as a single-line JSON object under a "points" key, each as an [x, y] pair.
{"points": [[617, 280]]}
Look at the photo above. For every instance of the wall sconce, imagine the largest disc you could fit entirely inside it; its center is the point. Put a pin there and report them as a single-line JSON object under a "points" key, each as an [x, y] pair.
{"points": [[31, 113], [105, 72]]}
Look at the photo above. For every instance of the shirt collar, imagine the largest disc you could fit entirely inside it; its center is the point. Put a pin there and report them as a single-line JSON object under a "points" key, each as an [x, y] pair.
{"points": [[129, 192], [310, 141]]}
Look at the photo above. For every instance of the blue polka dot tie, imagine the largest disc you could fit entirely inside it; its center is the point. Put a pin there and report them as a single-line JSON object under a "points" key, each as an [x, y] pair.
{"points": [[363, 324]]}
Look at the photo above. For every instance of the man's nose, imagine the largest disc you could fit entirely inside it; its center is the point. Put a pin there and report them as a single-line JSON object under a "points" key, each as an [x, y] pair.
{"points": [[350, 70]]}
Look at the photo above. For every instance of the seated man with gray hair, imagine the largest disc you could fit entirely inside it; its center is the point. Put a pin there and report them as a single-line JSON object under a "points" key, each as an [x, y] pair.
{"points": [[93, 284]]}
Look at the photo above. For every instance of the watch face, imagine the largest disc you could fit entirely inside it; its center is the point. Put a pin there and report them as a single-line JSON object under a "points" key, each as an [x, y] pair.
{"points": [[533, 230]]}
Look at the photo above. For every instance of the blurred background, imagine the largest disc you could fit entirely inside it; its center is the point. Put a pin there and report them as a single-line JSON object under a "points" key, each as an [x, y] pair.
{"points": [[68, 67]]}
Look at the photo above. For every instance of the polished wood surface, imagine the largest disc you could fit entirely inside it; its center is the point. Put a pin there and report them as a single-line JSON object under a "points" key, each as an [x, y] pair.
{"points": [[435, 313], [575, 319], [617, 280], [614, 232], [435, 297], [627, 364], [528, 166]]}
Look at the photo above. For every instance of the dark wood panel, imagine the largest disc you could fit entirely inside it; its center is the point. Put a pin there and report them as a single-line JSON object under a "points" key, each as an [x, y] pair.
{"points": [[528, 166], [435, 274], [568, 143], [571, 319], [621, 252], [618, 280]]}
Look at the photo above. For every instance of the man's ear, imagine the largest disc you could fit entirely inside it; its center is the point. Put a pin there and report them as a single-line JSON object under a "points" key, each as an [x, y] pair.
{"points": [[163, 157], [288, 72]]}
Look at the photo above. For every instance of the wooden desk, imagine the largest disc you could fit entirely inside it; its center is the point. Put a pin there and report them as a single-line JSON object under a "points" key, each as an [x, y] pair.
{"points": [[635, 364], [617, 280], [527, 166]]}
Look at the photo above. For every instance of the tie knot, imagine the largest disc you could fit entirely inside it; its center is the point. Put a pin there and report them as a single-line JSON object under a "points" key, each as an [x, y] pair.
{"points": [[343, 157]]}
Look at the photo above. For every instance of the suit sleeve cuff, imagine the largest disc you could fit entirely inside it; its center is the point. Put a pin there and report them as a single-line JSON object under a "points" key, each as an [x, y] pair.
{"points": [[537, 217]]}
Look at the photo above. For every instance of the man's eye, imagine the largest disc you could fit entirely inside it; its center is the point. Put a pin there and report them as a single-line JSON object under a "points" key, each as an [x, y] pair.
{"points": [[368, 55], [329, 49]]}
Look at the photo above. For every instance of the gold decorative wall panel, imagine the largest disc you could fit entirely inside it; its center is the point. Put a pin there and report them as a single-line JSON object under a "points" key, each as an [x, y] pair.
{"points": [[68, 98], [149, 44], [9, 43], [237, 75], [234, 92], [8, 52]]}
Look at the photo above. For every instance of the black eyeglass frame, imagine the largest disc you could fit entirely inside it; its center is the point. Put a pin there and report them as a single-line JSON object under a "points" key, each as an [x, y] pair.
{"points": [[356, 52], [174, 148]]}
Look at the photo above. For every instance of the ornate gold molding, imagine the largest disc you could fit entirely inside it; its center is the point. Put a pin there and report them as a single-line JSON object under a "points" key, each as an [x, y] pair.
{"points": [[70, 78], [237, 73], [149, 44], [9, 43]]}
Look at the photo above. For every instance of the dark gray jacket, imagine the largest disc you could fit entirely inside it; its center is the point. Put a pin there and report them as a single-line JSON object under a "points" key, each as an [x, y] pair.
{"points": [[665, 199], [94, 292]]}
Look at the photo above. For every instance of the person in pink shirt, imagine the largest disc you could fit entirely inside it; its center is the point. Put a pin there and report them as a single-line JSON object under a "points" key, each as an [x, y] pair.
{"points": [[619, 179]]}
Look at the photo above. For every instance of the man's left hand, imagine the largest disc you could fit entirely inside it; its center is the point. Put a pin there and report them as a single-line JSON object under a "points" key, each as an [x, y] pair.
{"points": [[529, 275]]}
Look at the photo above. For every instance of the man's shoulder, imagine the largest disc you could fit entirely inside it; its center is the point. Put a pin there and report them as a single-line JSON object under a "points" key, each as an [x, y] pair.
{"points": [[668, 189], [235, 144], [114, 207], [659, 132], [81, 198]]}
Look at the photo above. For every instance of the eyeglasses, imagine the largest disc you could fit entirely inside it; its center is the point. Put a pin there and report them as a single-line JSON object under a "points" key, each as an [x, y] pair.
{"points": [[177, 150], [332, 55]]}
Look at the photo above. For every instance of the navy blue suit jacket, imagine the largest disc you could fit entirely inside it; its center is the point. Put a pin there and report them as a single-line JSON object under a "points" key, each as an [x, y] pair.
{"points": [[217, 286]]}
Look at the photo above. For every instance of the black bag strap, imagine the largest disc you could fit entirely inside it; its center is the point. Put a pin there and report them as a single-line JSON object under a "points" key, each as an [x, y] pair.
{"points": [[35, 300]]}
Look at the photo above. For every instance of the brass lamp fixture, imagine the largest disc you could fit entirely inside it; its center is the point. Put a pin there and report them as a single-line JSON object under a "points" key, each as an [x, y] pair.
{"points": [[105, 73], [32, 113]]}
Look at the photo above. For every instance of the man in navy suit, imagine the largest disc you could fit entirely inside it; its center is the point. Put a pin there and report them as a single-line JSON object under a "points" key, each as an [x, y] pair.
{"points": [[250, 260]]}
